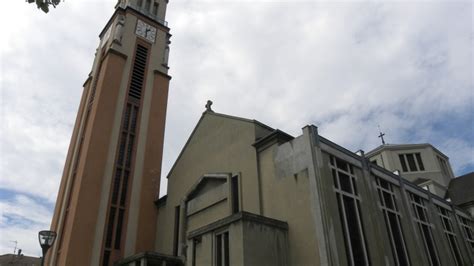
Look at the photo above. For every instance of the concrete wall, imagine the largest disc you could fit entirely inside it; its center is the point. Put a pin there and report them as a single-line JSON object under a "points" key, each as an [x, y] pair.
{"points": [[218, 144], [264, 245], [286, 196]]}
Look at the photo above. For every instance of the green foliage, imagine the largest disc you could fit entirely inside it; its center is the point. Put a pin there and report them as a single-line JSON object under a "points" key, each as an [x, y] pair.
{"points": [[44, 4]]}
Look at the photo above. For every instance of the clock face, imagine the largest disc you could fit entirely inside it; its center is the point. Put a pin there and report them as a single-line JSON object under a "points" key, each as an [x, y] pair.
{"points": [[146, 31]]}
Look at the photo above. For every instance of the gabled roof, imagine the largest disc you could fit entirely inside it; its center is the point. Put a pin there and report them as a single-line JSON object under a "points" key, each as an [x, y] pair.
{"points": [[402, 147], [253, 121], [461, 189]]}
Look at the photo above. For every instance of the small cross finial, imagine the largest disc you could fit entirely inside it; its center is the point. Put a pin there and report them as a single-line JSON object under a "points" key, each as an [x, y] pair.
{"points": [[208, 106], [381, 135]]}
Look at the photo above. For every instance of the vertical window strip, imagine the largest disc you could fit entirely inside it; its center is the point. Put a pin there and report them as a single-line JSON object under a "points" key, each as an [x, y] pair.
{"points": [[177, 211], [425, 228], [123, 194], [110, 228], [449, 233], [118, 233], [106, 258], [349, 210], [116, 185], [467, 231], [222, 249], [392, 221], [123, 164]]}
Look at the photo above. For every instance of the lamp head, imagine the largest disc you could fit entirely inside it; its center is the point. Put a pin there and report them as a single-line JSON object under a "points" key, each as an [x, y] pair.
{"points": [[46, 238]]}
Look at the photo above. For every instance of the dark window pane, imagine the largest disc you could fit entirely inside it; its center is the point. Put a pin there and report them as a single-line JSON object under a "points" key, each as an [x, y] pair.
{"points": [[447, 224], [226, 249], [105, 262], [176, 230], [110, 227], [123, 142], [235, 194], [384, 184], [334, 178], [397, 236], [126, 119], [123, 194], [133, 124], [116, 187], [342, 165], [356, 239], [219, 250], [429, 241], [420, 163], [118, 233], [129, 151], [455, 249], [345, 182], [421, 213], [388, 200], [411, 162], [344, 231], [155, 9], [403, 163]]}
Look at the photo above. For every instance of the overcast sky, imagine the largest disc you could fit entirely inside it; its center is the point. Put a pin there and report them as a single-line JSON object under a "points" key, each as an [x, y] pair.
{"points": [[345, 67]]}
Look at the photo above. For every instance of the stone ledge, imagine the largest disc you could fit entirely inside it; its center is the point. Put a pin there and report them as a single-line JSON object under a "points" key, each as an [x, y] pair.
{"points": [[240, 216]]}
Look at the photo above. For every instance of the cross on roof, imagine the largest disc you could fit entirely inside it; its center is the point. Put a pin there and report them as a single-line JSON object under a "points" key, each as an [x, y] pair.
{"points": [[381, 136]]}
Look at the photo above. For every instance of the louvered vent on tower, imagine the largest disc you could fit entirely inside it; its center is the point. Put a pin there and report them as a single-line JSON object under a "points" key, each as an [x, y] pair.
{"points": [[138, 72]]}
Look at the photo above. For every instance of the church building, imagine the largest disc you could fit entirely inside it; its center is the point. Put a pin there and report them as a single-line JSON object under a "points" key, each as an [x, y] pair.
{"points": [[240, 191]]}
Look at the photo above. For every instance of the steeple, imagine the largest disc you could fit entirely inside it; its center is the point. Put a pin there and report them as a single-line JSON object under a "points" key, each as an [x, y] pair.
{"points": [[104, 210]]}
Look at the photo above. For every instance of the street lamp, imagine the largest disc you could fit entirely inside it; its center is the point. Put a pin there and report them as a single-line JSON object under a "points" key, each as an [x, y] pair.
{"points": [[46, 240]]}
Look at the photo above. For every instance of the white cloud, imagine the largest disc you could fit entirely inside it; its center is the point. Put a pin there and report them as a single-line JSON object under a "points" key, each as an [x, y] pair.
{"points": [[21, 219]]}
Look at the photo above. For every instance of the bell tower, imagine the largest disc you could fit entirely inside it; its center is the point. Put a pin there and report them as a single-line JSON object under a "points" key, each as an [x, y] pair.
{"points": [[105, 210]]}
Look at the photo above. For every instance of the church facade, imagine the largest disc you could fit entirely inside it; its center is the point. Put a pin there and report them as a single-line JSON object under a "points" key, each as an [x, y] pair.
{"points": [[240, 192]]}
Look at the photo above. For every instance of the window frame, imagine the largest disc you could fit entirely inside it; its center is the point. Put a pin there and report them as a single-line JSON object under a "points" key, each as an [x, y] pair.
{"points": [[419, 222], [467, 231], [444, 215], [221, 257], [340, 194], [407, 164], [394, 210]]}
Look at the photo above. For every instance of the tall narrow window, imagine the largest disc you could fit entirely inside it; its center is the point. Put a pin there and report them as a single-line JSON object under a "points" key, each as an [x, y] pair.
{"points": [[348, 202], [235, 194], [467, 231], [425, 227], [155, 8], [445, 216], [176, 230], [139, 3], [392, 222], [222, 249]]}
